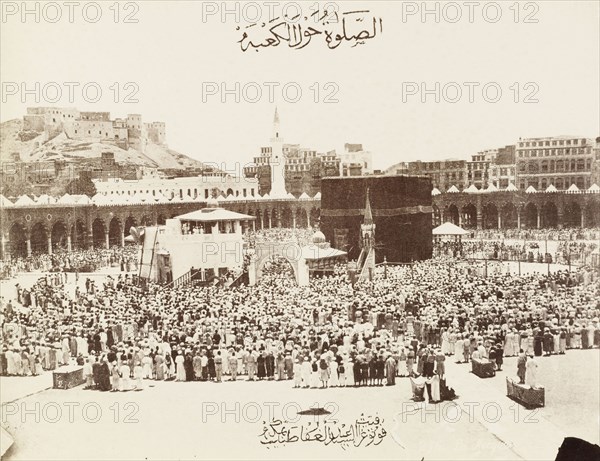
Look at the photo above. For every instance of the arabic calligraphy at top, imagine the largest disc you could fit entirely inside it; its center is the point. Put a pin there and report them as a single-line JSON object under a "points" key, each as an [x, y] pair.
{"points": [[351, 27], [364, 432]]}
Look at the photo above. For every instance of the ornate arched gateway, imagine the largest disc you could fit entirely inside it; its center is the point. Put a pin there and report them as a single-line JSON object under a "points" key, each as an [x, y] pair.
{"points": [[290, 251]]}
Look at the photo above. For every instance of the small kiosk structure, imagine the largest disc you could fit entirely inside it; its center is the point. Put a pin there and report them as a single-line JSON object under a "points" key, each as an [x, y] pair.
{"points": [[449, 231], [208, 242]]}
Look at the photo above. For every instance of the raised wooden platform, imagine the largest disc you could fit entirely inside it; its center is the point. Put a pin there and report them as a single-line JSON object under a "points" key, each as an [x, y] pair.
{"points": [[483, 368], [525, 395], [67, 377]]}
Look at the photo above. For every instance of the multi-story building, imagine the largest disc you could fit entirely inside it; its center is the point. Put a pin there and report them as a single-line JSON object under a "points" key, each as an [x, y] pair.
{"points": [[559, 161], [539, 162], [304, 167], [443, 174], [596, 163], [355, 161], [478, 169], [502, 170]]}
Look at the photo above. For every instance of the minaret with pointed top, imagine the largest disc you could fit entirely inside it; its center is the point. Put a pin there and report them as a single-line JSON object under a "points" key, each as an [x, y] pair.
{"points": [[367, 241], [277, 161], [368, 226], [368, 217]]}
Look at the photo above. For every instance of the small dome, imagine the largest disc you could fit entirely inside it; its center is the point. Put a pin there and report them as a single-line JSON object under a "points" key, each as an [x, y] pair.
{"points": [[318, 237], [212, 203]]}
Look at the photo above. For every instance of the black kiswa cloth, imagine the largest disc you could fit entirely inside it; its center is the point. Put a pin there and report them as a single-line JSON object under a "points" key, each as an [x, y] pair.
{"points": [[574, 449]]}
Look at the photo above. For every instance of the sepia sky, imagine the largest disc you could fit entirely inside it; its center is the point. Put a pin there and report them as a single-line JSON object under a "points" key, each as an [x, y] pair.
{"points": [[170, 52]]}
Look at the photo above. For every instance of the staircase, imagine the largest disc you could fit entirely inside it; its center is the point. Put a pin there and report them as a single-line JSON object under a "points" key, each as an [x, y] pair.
{"points": [[191, 278], [181, 281], [361, 259], [243, 279], [369, 262]]}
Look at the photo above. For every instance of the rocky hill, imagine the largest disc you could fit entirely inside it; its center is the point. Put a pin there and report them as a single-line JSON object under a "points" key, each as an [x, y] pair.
{"points": [[34, 147]]}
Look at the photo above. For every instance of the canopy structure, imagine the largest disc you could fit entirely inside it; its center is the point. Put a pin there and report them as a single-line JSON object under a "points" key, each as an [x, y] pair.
{"points": [[491, 188], [573, 188], [453, 190], [4, 202], [551, 188], [67, 199], [81, 199], [45, 199], [511, 188], [321, 258], [24, 200], [594, 188], [214, 214], [530, 190], [100, 199], [160, 198], [449, 229], [472, 189], [317, 196], [304, 196], [435, 191], [315, 252]]}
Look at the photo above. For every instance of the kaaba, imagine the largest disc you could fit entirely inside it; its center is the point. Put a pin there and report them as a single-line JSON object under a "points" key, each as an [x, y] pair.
{"points": [[401, 207]]}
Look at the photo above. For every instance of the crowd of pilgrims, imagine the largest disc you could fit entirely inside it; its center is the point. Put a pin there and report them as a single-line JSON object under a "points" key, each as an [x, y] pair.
{"points": [[302, 236], [73, 261], [573, 252], [405, 322], [565, 234]]}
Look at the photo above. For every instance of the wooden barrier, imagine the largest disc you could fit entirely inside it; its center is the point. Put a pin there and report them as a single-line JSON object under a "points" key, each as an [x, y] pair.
{"points": [[525, 395], [67, 377], [482, 368]]}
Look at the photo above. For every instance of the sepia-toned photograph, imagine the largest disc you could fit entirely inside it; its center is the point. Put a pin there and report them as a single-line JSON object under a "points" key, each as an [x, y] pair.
{"points": [[310, 230]]}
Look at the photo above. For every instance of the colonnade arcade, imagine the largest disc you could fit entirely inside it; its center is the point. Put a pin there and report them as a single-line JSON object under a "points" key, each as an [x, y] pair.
{"points": [[45, 229], [517, 210]]}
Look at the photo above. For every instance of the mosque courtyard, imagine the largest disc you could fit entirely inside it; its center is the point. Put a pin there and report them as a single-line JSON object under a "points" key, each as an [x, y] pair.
{"points": [[191, 420], [259, 420]]}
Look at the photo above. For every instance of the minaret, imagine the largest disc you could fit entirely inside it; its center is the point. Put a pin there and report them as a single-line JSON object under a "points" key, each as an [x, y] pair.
{"points": [[277, 161], [367, 234], [367, 229]]}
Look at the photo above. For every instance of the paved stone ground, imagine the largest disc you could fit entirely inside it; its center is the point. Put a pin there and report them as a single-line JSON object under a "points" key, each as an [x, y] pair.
{"points": [[169, 420]]}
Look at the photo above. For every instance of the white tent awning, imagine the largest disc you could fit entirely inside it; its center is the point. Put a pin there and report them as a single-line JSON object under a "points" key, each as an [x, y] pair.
{"points": [[449, 229]]}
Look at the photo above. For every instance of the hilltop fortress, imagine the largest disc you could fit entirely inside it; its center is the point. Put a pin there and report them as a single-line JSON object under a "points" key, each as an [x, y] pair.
{"points": [[124, 132]]}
